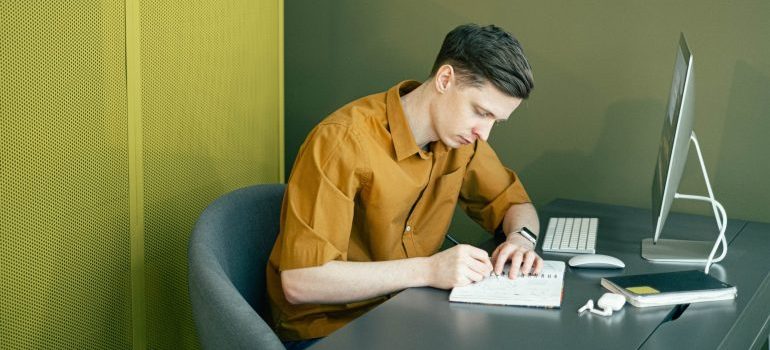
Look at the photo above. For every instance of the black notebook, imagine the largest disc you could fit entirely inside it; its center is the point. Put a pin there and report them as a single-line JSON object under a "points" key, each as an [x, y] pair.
{"points": [[669, 288]]}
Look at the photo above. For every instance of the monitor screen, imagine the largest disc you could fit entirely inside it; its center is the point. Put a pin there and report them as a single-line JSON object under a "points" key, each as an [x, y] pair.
{"points": [[675, 137]]}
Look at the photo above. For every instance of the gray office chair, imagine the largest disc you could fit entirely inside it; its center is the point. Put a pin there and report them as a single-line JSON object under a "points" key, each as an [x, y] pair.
{"points": [[228, 252]]}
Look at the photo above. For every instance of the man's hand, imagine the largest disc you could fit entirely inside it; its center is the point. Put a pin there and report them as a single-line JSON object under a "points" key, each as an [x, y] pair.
{"points": [[520, 252], [458, 266]]}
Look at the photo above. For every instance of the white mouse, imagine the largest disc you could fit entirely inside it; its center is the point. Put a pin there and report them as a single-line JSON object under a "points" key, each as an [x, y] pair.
{"points": [[596, 261]]}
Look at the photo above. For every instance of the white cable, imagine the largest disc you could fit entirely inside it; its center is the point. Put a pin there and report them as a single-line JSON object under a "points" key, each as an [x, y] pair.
{"points": [[694, 140], [721, 217]]}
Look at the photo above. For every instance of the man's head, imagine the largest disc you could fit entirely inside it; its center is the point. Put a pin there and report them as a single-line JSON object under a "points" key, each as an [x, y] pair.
{"points": [[486, 54], [480, 77]]}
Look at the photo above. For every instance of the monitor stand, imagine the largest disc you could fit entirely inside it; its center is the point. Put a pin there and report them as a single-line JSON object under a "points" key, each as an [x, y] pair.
{"points": [[683, 251], [676, 250]]}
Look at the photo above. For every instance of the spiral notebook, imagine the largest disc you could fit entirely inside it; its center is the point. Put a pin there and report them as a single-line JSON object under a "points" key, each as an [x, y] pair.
{"points": [[542, 290]]}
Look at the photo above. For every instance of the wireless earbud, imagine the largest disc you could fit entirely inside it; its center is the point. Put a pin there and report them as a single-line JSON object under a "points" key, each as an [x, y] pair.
{"points": [[605, 312], [588, 306], [608, 303]]}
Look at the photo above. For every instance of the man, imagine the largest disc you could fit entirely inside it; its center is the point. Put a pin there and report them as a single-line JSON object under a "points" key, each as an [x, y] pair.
{"points": [[374, 187]]}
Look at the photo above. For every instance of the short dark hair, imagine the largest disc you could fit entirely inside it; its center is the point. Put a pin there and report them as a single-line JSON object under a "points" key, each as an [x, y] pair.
{"points": [[479, 54]]}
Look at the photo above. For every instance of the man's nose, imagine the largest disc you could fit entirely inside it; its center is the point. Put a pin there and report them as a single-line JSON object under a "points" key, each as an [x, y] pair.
{"points": [[482, 131]]}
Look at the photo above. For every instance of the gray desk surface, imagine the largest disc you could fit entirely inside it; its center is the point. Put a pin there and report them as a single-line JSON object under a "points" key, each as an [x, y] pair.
{"points": [[739, 325], [423, 317]]}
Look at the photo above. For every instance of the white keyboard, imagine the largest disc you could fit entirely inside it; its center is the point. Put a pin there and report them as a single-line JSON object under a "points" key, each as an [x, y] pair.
{"points": [[571, 235]]}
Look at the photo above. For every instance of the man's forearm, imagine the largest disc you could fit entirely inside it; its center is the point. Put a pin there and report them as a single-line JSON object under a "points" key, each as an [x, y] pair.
{"points": [[338, 282], [519, 215]]}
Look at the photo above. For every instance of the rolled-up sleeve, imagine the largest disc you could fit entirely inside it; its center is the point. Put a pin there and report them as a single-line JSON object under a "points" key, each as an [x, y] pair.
{"points": [[318, 205], [489, 188]]}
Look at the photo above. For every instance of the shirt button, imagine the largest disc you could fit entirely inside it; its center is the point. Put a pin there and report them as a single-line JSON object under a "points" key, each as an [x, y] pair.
{"points": [[408, 228]]}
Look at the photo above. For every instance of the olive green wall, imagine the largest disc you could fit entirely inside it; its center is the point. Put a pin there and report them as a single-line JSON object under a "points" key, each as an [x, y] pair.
{"points": [[602, 71]]}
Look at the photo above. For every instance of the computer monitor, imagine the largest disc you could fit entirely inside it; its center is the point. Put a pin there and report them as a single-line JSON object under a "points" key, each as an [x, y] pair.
{"points": [[675, 137], [675, 141]]}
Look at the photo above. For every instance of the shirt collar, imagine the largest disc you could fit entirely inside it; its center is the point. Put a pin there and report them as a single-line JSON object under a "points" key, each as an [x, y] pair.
{"points": [[403, 140]]}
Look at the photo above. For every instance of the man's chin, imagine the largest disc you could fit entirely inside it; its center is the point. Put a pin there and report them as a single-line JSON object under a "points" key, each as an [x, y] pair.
{"points": [[453, 145]]}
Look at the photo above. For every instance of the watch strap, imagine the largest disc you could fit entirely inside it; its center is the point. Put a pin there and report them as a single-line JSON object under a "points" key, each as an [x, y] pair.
{"points": [[529, 235]]}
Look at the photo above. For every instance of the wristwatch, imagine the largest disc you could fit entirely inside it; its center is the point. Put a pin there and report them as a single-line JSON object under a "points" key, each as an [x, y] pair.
{"points": [[529, 235]]}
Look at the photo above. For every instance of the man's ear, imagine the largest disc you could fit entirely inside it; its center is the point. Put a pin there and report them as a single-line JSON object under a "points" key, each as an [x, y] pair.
{"points": [[445, 77]]}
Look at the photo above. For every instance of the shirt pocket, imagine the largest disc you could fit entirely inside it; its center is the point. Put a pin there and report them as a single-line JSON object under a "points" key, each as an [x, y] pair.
{"points": [[448, 186], [436, 214], [440, 202]]}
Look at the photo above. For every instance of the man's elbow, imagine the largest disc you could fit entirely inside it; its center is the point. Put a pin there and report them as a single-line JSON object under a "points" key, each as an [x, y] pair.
{"points": [[292, 290]]}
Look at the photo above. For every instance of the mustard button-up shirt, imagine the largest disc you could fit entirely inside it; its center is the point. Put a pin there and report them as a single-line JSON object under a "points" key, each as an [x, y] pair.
{"points": [[362, 190]]}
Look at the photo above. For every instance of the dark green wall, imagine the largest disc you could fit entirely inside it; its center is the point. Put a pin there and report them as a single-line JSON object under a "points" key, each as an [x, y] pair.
{"points": [[602, 72]]}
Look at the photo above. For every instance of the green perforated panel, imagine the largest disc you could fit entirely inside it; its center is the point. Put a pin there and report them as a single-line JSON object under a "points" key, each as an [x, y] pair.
{"points": [[210, 121], [208, 104], [64, 224]]}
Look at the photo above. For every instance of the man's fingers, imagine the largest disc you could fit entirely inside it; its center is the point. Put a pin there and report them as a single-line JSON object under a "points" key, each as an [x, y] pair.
{"points": [[502, 257], [476, 277], [478, 254], [464, 281], [538, 264], [529, 259], [480, 267], [515, 264], [493, 257], [473, 275]]}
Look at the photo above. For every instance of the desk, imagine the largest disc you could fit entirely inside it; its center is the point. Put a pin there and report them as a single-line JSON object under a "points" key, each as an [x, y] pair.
{"points": [[422, 318]]}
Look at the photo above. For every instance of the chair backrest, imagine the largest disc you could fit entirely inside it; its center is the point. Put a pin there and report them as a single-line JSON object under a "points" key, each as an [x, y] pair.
{"points": [[228, 253]]}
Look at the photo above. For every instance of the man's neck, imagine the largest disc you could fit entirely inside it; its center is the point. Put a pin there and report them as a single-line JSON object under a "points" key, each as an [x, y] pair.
{"points": [[417, 113]]}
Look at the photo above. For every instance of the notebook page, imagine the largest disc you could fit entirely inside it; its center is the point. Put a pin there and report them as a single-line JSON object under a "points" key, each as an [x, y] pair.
{"points": [[543, 290]]}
